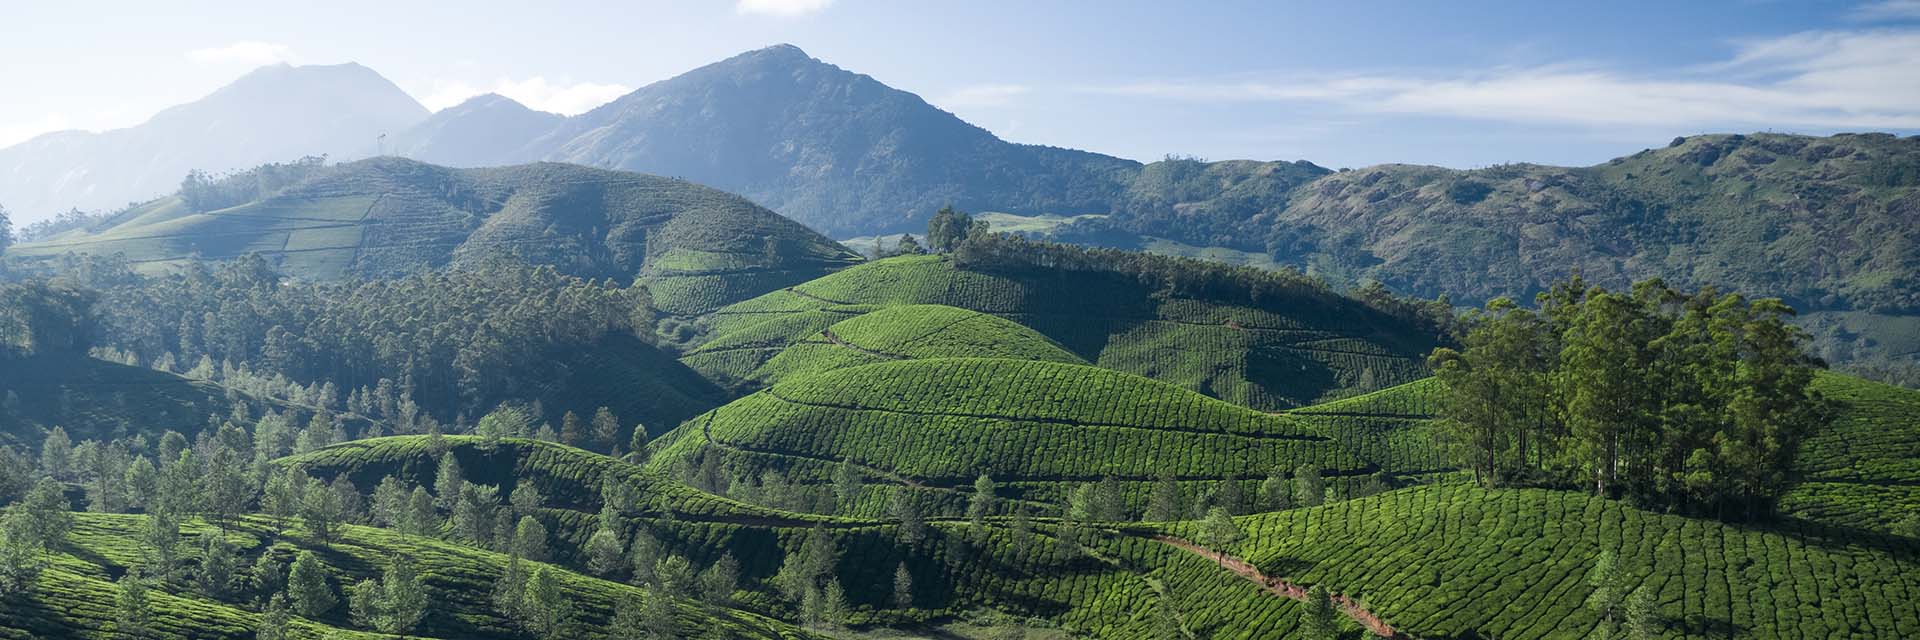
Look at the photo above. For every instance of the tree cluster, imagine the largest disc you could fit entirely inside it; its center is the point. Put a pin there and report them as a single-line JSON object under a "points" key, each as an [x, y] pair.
{"points": [[1691, 401]]}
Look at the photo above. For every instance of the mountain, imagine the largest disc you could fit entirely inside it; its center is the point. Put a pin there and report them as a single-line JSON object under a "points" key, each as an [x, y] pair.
{"points": [[836, 150], [272, 114], [700, 247], [486, 130]]}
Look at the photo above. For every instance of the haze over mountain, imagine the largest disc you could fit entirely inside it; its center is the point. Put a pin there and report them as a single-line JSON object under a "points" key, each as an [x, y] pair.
{"points": [[274, 113]]}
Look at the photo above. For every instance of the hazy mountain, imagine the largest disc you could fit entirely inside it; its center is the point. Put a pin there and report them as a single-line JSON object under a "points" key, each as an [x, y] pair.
{"points": [[834, 149], [274, 113], [486, 130]]}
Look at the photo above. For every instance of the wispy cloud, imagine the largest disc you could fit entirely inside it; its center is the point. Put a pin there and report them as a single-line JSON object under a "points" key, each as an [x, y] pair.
{"points": [[1829, 79], [565, 98], [1887, 11], [981, 95], [248, 52], [781, 8]]}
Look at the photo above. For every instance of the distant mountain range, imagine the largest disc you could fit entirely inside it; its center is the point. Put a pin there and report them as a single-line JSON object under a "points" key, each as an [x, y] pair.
{"points": [[1831, 224], [273, 114]]}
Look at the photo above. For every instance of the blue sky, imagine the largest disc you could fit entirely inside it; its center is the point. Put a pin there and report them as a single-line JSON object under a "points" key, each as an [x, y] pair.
{"points": [[1456, 83]]}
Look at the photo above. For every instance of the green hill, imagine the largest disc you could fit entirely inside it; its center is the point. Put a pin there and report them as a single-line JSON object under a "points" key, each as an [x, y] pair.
{"points": [[887, 333], [1280, 354], [1035, 425], [1458, 561], [698, 247], [76, 597], [1863, 470]]}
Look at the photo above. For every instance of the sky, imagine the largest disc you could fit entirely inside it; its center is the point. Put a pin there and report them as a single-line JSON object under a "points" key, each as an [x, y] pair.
{"points": [[1460, 84]]}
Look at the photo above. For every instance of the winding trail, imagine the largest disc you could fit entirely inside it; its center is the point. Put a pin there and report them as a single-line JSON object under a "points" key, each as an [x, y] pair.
{"points": [[1283, 588]]}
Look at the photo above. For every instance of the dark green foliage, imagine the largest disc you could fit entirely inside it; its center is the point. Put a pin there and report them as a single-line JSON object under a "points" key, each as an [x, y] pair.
{"points": [[1696, 401], [39, 319], [308, 588]]}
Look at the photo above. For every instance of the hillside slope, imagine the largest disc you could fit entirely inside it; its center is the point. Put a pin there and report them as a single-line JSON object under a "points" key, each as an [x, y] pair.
{"points": [[699, 247], [1278, 355]]}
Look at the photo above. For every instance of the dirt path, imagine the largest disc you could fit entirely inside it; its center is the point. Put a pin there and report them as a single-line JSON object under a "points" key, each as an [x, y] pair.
{"points": [[828, 334], [1283, 588]]}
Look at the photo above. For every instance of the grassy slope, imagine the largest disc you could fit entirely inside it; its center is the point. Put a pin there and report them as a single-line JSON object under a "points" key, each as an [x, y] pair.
{"points": [[1450, 560], [896, 333], [1272, 358], [75, 599], [1031, 424], [96, 399], [699, 247], [1864, 469]]}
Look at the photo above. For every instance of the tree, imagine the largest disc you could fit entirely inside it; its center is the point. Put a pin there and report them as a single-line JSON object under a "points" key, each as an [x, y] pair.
{"points": [[161, 535], [22, 556], [605, 553], [1164, 505], [268, 576], [281, 497], [980, 505], [526, 499], [644, 554], [637, 451], [510, 590], [1166, 619], [548, 610], [320, 509], [6, 230], [718, 581], [390, 503], [218, 565], [658, 616], [132, 612], [606, 430], [473, 513], [274, 619], [56, 454], [1608, 587], [363, 603], [573, 431], [530, 539], [1311, 490], [833, 604], [675, 574], [807, 565], [913, 527], [307, 587], [1317, 617], [902, 587], [629, 619], [420, 518], [947, 229], [46, 519], [405, 599], [1275, 493], [1221, 532], [1110, 500], [909, 246], [142, 481], [1642, 616], [1231, 496], [846, 487]]}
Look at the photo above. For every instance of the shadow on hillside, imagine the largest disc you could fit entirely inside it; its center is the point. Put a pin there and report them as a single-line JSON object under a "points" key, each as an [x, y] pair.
{"points": [[1832, 536]]}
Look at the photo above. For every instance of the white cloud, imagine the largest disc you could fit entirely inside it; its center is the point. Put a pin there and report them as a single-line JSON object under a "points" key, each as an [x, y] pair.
{"points": [[781, 8], [1830, 79], [247, 52], [980, 96], [535, 92], [1887, 11]]}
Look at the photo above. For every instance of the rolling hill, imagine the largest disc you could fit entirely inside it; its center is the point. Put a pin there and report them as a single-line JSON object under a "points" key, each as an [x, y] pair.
{"points": [[699, 248], [1278, 355]]}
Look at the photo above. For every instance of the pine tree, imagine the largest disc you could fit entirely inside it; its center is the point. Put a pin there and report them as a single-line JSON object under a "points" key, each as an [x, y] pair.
{"points": [[320, 510], [22, 558], [274, 619], [658, 616], [132, 612], [268, 576], [643, 554], [573, 432], [56, 455], [1317, 617], [846, 487], [605, 553], [629, 619], [161, 538], [1164, 505], [1608, 587], [364, 603], [530, 539], [1166, 619], [718, 581], [981, 504], [1110, 500], [637, 451], [833, 604], [548, 610], [390, 503], [449, 481], [510, 589], [902, 587], [142, 481], [1311, 490], [1021, 530], [420, 518], [1221, 532], [405, 598], [281, 497], [307, 587], [1231, 496], [1275, 494], [606, 430], [218, 565], [1642, 616], [913, 528]]}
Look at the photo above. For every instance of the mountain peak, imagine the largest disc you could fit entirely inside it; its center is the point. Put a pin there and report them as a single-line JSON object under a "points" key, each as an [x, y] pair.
{"points": [[777, 54]]}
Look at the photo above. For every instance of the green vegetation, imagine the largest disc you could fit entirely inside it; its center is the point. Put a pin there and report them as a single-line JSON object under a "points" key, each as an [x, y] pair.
{"points": [[1862, 469], [1697, 402], [387, 216], [900, 333], [1288, 348], [1452, 560]]}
